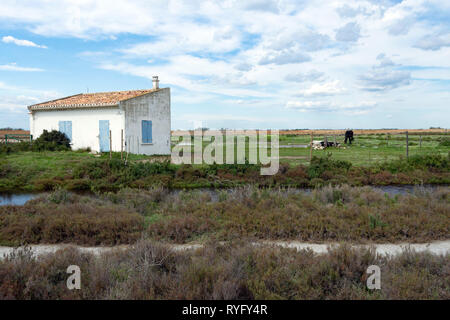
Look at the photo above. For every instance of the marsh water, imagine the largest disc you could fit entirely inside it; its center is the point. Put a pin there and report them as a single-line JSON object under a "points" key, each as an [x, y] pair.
{"points": [[19, 199]]}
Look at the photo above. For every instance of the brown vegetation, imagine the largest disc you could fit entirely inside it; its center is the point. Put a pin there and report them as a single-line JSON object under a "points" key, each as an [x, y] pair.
{"points": [[232, 271], [340, 213], [85, 223]]}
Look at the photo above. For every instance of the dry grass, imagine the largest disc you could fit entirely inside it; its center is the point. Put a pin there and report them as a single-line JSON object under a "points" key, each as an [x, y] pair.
{"points": [[340, 213], [69, 221], [231, 271], [329, 214]]}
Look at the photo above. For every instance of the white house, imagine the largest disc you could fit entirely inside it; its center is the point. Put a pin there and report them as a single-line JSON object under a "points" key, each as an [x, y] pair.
{"points": [[141, 117]]}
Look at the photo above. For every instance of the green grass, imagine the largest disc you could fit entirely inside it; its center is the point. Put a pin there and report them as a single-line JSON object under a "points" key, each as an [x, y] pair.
{"points": [[365, 150], [368, 155]]}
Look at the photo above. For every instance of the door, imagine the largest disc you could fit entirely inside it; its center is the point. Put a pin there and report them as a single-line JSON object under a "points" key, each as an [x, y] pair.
{"points": [[66, 128], [104, 135]]}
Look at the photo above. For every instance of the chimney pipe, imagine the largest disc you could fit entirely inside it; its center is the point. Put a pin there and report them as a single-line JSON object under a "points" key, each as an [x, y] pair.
{"points": [[155, 82]]}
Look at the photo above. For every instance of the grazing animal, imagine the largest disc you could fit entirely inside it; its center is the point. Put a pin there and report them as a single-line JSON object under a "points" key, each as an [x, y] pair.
{"points": [[320, 144], [348, 136]]}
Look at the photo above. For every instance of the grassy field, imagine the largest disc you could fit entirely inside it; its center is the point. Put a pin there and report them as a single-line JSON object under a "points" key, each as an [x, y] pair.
{"points": [[364, 151], [81, 171]]}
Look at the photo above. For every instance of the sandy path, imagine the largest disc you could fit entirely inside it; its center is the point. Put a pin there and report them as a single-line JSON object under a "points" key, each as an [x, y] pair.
{"points": [[437, 247]]}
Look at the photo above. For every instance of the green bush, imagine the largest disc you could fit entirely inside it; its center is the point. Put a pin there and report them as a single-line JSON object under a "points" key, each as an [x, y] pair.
{"points": [[429, 161], [47, 141], [15, 147], [51, 141], [445, 142], [321, 164]]}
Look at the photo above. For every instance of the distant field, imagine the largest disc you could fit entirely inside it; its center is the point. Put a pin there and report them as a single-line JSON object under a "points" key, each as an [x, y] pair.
{"points": [[369, 147], [366, 149], [342, 131], [3, 132]]}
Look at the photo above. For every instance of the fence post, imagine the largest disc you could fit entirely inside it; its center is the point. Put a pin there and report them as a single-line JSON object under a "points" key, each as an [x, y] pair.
{"points": [[6, 139], [326, 141], [110, 145], [335, 142], [407, 145], [310, 149], [121, 144], [387, 140], [420, 141]]}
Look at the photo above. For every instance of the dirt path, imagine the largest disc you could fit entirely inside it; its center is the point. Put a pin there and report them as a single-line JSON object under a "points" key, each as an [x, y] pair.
{"points": [[438, 247]]}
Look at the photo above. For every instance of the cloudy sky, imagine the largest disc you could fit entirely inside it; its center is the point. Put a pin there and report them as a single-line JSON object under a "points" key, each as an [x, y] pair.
{"points": [[236, 64]]}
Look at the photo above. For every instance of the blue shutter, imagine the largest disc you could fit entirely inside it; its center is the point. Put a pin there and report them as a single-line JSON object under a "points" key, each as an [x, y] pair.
{"points": [[146, 131], [66, 128], [69, 130], [62, 126]]}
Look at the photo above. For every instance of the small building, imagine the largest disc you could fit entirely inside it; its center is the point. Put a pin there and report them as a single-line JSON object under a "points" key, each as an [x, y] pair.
{"points": [[137, 121]]}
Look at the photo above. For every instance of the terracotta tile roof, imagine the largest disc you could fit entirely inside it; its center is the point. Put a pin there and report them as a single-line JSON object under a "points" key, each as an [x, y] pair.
{"points": [[86, 100]]}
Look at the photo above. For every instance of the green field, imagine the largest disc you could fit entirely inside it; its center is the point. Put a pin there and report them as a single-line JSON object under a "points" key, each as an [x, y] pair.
{"points": [[365, 149], [370, 160]]}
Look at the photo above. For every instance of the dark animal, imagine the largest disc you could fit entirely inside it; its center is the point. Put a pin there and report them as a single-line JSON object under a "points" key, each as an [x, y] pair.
{"points": [[328, 144], [348, 136]]}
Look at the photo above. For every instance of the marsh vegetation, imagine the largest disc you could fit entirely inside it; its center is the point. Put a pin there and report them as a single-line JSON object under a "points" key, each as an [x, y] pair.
{"points": [[340, 213], [235, 270]]}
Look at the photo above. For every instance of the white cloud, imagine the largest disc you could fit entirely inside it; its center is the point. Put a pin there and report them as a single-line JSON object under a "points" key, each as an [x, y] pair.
{"points": [[433, 42], [323, 89], [348, 33], [311, 75], [15, 67], [284, 57], [327, 106], [15, 99], [384, 76], [24, 43], [347, 11]]}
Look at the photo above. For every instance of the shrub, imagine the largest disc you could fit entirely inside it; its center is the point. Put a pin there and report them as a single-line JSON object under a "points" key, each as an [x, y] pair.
{"points": [[445, 142], [429, 161], [319, 165], [80, 223], [236, 270], [51, 141]]}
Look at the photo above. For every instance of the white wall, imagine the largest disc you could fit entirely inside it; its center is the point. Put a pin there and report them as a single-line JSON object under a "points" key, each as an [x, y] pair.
{"points": [[154, 106], [85, 125]]}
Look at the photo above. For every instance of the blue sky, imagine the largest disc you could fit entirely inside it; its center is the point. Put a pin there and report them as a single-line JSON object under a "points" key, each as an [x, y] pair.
{"points": [[236, 64]]}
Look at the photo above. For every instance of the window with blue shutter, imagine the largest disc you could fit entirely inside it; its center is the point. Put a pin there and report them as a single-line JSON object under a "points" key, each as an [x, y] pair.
{"points": [[146, 131], [66, 128]]}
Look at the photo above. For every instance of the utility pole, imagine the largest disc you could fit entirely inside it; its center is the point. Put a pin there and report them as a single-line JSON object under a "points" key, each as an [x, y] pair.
{"points": [[121, 144], [407, 146], [110, 145]]}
